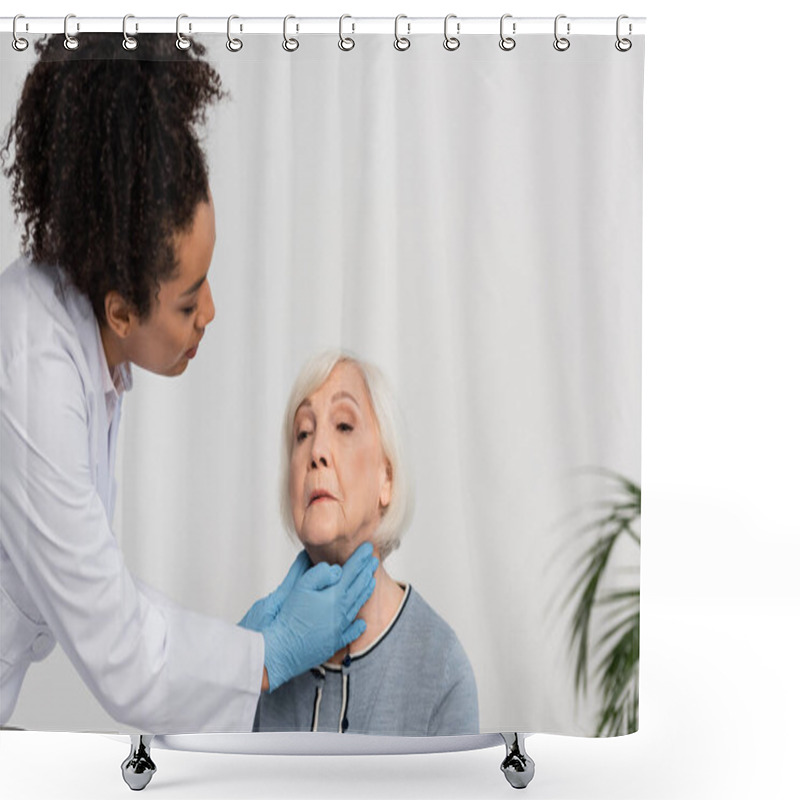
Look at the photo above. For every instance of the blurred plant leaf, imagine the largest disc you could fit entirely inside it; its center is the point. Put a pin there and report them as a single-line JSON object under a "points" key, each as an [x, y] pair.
{"points": [[616, 647]]}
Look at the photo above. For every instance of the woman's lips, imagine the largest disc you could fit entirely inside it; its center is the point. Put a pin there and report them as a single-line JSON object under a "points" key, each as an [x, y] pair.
{"points": [[318, 497], [191, 353]]}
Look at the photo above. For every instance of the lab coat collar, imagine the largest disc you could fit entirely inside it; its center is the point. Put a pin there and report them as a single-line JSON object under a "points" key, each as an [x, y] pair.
{"points": [[120, 379]]}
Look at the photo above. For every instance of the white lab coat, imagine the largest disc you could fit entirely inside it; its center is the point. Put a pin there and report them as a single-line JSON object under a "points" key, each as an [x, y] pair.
{"points": [[153, 666]]}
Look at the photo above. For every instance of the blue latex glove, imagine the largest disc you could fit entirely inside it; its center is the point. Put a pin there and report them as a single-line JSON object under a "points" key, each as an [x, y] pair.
{"points": [[264, 611], [318, 616]]}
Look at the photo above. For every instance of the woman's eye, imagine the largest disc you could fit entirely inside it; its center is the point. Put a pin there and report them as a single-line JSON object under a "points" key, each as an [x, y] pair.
{"points": [[189, 311], [302, 435], [344, 427]]}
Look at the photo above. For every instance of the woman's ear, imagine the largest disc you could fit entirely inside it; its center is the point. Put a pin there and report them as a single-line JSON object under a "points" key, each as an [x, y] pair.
{"points": [[119, 315], [386, 486]]}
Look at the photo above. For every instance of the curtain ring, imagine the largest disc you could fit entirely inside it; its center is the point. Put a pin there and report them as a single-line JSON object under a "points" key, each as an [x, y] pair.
{"points": [[346, 43], [70, 42], [507, 42], [561, 43], [233, 44], [623, 45], [401, 42], [19, 44], [289, 44], [181, 42], [128, 42], [451, 42]]}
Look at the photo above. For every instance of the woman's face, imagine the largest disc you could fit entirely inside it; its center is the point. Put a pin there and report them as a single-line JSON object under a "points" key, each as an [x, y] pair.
{"points": [[339, 477], [167, 339]]}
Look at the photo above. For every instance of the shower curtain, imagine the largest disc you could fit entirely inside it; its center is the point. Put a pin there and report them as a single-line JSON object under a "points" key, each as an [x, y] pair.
{"points": [[469, 221]]}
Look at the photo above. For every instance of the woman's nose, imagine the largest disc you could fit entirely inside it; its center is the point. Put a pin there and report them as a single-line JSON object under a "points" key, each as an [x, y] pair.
{"points": [[320, 457], [207, 309]]}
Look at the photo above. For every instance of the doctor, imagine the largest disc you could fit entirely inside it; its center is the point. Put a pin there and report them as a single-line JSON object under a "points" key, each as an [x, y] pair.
{"points": [[111, 183]]}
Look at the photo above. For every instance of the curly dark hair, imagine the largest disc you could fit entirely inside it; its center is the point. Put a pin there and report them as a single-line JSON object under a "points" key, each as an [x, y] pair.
{"points": [[107, 167]]}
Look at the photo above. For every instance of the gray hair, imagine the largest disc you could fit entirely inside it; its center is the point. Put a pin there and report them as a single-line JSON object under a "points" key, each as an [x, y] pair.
{"points": [[397, 515]]}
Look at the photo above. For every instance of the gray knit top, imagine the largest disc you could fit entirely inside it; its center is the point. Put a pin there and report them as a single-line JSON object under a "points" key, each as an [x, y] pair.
{"points": [[414, 680]]}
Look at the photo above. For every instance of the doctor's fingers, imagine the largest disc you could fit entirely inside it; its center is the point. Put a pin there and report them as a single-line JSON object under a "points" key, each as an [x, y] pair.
{"points": [[320, 577], [263, 611], [361, 559], [353, 632], [357, 595], [298, 568], [260, 614]]}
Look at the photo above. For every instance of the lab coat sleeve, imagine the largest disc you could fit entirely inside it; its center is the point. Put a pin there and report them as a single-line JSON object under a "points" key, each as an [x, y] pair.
{"points": [[153, 666]]}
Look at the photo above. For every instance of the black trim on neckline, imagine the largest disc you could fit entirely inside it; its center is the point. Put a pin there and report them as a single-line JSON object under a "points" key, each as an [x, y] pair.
{"points": [[375, 645]]}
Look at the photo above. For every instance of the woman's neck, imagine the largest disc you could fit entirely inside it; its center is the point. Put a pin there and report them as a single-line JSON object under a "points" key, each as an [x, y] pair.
{"points": [[377, 612], [111, 348]]}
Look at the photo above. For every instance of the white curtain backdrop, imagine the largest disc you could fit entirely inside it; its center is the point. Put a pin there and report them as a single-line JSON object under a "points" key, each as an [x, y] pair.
{"points": [[470, 222]]}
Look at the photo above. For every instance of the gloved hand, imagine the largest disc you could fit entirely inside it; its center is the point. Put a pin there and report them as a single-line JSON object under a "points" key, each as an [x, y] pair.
{"points": [[264, 611], [316, 618]]}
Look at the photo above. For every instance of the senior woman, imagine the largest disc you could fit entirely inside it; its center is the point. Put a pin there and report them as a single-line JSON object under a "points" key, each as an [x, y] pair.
{"points": [[344, 482]]}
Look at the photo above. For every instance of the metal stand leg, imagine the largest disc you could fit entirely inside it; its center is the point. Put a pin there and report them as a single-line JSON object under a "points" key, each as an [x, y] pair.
{"points": [[518, 766], [138, 768]]}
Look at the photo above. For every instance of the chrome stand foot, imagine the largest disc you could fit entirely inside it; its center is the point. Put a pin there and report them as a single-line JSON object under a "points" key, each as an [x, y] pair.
{"points": [[138, 768], [518, 766]]}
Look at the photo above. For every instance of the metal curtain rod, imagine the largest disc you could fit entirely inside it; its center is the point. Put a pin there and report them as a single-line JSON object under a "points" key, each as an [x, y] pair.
{"points": [[254, 25]]}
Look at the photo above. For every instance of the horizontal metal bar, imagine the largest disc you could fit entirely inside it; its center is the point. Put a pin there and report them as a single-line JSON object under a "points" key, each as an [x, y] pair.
{"points": [[310, 25]]}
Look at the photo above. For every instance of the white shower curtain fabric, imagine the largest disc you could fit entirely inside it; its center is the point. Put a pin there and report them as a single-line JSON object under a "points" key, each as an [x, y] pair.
{"points": [[469, 222]]}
